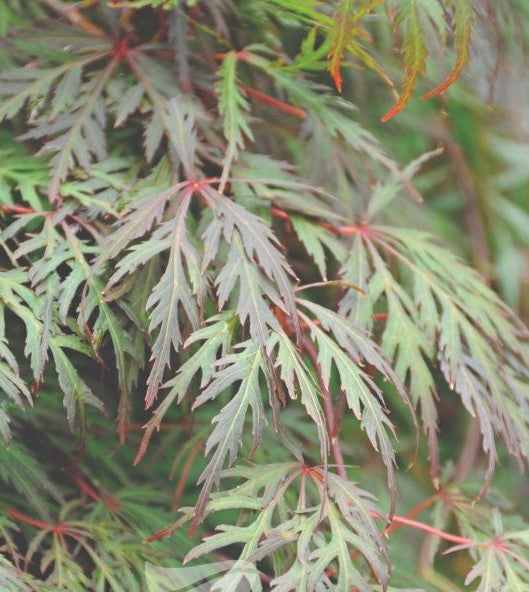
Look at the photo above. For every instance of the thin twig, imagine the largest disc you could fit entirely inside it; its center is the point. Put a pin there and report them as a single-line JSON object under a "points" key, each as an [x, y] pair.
{"points": [[405, 521], [73, 16], [276, 103], [415, 511], [453, 538]]}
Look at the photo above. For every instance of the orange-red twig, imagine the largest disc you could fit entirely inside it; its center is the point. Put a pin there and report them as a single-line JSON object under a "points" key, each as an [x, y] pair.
{"points": [[20, 517], [277, 213], [188, 465], [276, 103], [345, 230], [315, 473], [109, 500], [415, 511], [453, 538], [60, 529], [167, 531], [380, 316], [16, 209], [72, 15]]}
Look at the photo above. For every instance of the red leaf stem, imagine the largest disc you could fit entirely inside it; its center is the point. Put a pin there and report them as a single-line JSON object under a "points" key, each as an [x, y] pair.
{"points": [[276, 103]]}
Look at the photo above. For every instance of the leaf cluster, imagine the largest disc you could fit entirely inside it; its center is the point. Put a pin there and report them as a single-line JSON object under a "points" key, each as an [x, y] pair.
{"points": [[204, 274]]}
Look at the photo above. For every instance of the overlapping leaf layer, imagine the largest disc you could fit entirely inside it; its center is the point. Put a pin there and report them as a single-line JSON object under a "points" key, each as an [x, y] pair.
{"points": [[200, 238]]}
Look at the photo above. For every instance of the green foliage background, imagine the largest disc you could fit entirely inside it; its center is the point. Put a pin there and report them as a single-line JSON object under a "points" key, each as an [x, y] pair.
{"points": [[263, 284]]}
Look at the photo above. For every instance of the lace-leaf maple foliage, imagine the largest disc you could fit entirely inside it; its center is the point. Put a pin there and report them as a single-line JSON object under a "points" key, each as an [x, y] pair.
{"points": [[205, 276]]}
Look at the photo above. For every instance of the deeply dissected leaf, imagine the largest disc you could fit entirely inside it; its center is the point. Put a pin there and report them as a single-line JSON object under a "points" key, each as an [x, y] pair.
{"points": [[76, 392], [76, 136], [21, 173], [435, 322], [343, 35], [252, 239], [24, 304], [462, 18], [501, 562], [364, 397], [106, 322], [314, 239], [169, 294], [251, 302], [264, 492], [216, 338], [294, 373], [202, 166], [243, 368], [232, 106], [415, 53]]}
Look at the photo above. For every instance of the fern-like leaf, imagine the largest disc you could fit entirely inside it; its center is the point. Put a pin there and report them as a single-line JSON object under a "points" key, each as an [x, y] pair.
{"points": [[463, 29], [415, 54], [345, 29], [232, 106], [244, 367]]}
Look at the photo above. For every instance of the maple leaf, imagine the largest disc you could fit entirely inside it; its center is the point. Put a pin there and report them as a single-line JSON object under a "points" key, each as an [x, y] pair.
{"points": [[415, 53], [344, 32], [463, 30]]}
